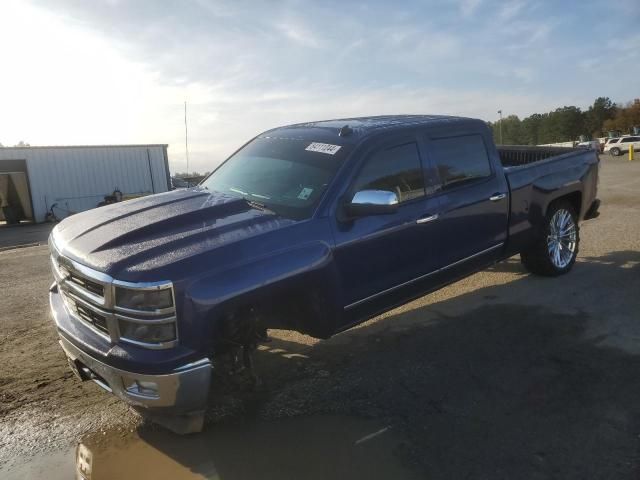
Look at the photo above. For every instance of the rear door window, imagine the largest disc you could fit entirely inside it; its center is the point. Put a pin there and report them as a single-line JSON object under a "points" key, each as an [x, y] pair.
{"points": [[460, 160], [397, 169], [630, 139]]}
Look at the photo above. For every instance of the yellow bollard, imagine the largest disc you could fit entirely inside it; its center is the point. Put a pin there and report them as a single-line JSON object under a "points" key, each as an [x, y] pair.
{"points": [[631, 152]]}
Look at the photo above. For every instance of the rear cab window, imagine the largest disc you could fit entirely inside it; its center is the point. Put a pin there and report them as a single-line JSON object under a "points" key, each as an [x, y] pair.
{"points": [[460, 160], [396, 169]]}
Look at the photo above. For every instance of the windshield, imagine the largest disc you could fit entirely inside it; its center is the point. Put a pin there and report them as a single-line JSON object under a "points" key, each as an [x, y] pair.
{"points": [[287, 176]]}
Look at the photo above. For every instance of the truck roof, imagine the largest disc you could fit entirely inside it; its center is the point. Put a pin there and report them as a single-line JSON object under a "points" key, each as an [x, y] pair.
{"points": [[345, 131]]}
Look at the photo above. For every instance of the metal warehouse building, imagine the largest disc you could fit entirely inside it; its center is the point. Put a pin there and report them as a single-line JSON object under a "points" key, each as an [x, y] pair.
{"points": [[70, 179]]}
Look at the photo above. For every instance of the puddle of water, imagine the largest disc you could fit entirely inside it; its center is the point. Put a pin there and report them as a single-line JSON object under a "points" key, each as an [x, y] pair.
{"points": [[312, 447]]}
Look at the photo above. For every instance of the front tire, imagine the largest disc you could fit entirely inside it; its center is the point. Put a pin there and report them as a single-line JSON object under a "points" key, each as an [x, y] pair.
{"points": [[556, 247], [615, 152]]}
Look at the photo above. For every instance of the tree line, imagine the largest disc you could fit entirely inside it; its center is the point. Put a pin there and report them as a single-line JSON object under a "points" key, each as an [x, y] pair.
{"points": [[568, 123], [21, 143], [190, 175]]}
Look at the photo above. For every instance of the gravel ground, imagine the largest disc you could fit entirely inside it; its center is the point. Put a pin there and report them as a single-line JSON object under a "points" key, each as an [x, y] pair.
{"points": [[501, 375], [25, 234]]}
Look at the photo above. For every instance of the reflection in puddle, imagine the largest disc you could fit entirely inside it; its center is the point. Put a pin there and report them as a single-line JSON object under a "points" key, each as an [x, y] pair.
{"points": [[84, 461], [320, 447], [317, 447]]}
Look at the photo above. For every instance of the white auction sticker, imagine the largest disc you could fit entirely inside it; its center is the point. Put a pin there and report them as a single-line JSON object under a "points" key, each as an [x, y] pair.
{"points": [[323, 148], [305, 193]]}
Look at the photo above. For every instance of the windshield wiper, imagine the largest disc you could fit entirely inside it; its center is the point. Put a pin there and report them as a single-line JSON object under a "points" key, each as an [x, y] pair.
{"points": [[252, 203], [258, 205]]}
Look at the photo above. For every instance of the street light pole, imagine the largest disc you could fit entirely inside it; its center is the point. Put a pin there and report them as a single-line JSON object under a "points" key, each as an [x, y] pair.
{"points": [[500, 113], [186, 141]]}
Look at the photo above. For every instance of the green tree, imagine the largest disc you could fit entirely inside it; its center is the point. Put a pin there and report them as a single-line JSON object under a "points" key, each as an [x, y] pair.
{"points": [[603, 109], [562, 125], [512, 132], [531, 127], [568, 123], [625, 118]]}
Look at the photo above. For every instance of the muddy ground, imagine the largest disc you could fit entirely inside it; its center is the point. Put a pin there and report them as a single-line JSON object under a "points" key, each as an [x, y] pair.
{"points": [[502, 375]]}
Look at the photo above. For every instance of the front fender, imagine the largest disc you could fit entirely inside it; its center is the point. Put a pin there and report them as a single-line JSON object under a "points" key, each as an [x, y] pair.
{"points": [[301, 274]]}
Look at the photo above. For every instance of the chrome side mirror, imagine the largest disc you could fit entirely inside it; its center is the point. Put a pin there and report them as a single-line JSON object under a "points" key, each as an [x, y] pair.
{"points": [[372, 202]]}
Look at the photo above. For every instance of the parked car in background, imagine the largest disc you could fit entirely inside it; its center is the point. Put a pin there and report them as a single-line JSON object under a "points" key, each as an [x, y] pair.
{"points": [[590, 144], [610, 143], [618, 146], [178, 182]]}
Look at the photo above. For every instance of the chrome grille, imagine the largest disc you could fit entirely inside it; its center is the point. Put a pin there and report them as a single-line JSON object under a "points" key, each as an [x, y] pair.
{"points": [[89, 297], [92, 317], [87, 284]]}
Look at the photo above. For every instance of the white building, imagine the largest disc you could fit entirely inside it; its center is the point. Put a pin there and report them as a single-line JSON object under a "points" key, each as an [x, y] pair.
{"points": [[71, 179]]}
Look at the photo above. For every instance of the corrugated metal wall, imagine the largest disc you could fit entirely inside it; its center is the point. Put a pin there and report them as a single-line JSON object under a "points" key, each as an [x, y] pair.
{"points": [[77, 178]]}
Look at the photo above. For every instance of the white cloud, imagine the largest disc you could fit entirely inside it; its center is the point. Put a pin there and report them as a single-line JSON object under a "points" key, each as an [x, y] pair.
{"points": [[299, 34], [468, 7], [626, 43], [511, 9], [526, 34], [525, 74], [588, 64], [626, 7]]}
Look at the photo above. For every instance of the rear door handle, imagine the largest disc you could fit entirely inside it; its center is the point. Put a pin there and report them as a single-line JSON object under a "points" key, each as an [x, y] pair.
{"points": [[496, 197], [427, 219]]}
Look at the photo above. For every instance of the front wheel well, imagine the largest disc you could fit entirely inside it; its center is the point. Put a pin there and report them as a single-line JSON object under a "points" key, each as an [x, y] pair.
{"points": [[301, 310]]}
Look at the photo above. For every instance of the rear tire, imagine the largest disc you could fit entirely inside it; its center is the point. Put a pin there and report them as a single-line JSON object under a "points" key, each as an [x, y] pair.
{"points": [[615, 152], [556, 246]]}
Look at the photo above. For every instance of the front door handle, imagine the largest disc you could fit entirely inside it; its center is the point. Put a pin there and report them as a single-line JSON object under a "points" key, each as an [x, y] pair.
{"points": [[496, 197], [428, 219]]}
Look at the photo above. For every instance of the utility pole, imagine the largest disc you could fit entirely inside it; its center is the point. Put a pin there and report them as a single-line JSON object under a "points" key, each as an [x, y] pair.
{"points": [[186, 141], [500, 113]]}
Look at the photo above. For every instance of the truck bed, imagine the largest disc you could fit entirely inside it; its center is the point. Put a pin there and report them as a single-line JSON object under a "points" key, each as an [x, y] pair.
{"points": [[516, 155], [537, 175]]}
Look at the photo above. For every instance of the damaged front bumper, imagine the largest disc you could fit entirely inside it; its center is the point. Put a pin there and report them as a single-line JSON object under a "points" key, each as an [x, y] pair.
{"points": [[182, 390]]}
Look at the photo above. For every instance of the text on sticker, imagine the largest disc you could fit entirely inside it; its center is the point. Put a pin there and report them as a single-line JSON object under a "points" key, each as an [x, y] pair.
{"points": [[323, 148]]}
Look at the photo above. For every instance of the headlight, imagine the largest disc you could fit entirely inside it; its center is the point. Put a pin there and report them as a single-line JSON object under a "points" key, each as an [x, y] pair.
{"points": [[148, 332], [146, 315], [147, 300]]}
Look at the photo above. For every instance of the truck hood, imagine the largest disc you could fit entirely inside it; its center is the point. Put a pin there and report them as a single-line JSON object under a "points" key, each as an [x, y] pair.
{"points": [[127, 239]]}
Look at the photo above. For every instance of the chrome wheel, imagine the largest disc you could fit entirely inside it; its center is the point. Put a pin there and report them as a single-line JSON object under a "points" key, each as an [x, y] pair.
{"points": [[561, 241]]}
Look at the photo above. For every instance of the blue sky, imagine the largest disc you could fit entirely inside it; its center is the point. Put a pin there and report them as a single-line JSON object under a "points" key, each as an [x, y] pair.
{"points": [[117, 71]]}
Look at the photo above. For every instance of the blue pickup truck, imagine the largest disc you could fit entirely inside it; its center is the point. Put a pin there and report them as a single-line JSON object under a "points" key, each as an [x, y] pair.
{"points": [[314, 227]]}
